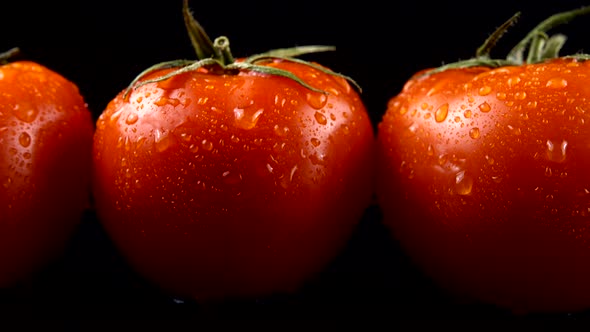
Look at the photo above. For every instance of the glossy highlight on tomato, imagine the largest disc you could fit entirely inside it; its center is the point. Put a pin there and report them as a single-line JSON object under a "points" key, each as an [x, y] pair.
{"points": [[483, 179], [46, 135], [218, 184]]}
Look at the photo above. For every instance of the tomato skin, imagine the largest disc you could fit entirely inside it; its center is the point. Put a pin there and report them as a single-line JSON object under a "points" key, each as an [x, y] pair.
{"points": [[226, 186], [46, 135], [483, 179]]}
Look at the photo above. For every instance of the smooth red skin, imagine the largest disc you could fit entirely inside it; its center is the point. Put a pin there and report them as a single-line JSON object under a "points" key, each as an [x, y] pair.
{"points": [[212, 208], [45, 163], [520, 237]]}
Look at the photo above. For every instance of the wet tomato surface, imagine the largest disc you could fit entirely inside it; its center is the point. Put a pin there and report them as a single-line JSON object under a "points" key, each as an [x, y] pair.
{"points": [[484, 180], [45, 158], [218, 184]]}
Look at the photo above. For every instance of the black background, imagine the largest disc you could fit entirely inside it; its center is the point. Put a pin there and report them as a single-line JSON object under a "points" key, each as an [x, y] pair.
{"points": [[103, 45]]}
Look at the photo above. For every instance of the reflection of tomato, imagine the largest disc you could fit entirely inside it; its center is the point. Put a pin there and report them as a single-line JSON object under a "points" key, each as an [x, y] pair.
{"points": [[484, 179], [219, 183], [45, 154]]}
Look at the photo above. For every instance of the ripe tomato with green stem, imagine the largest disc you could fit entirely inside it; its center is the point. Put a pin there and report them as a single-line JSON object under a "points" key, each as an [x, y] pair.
{"points": [[483, 173], [227, 178], [46, 135]]}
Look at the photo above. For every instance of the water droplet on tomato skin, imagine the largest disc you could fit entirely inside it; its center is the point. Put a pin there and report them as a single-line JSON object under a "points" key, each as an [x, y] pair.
{"points": [[24, 139], [441, 113], [281, 130], [320, 118], [556, 82], [485, 107], [345, 129], [316, 100], [463, 183], [131, 118], [514, 130], [162, 141], [207, 145], [520, 95], [245, 118], [167, 101], [231, 178], [484, 90], [6, 182], [26, 113], [474, 133], [512, 81], [556, 151]]}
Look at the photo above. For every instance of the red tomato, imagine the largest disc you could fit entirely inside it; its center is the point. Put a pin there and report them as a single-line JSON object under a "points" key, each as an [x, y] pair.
{"points": [[45, 161], [483, 177], [220, 183]]}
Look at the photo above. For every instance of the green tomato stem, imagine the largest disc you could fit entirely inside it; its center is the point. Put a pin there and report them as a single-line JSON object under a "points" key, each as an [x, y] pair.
{"points": [[5, 56]]}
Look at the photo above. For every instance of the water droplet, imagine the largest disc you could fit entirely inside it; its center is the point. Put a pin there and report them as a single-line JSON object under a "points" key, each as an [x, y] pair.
{"points": [[115, 116], [317, 160], [131, 118], [514, 130], [485, 107], [24, 139], [463, 183], [6, 182], [490, 160], [287, 179], [501, 95], [163, 141], [484, 90], [555, 153], [165, 100], [280, 130], [320, 118], [513, 81], [467, 114], [474, 133], [185, 137], [245, 119], [548, 171], [231, 177], [316, 100], [531, 104], [315, 142], [345, 129], [556, 82], [206, 145], [520, 95], [25, 113], [441, 113]]}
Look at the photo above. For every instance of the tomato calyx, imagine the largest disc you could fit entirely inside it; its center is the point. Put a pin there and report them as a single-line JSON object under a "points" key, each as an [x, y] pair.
{"points": [[216, 56], [540, 46], [7, 55]]}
